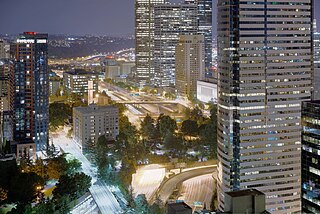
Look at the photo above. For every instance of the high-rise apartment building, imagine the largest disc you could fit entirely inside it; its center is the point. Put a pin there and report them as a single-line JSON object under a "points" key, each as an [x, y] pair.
{"points": [[311, 157], [31, 90], [265, 66], [91, 122], [190, 66], [205, 27], [6, 100], [144, 35], [171, 21]]}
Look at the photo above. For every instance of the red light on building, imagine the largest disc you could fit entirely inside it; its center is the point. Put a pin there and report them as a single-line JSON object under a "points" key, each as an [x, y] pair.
{"points": [[30, 33]]}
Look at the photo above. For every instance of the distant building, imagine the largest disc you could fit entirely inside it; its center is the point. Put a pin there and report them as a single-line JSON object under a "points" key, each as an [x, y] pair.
{"points": [[310, 157], [6, 99], [76, 81], [171, 21], [205, 27], [179, 208], [31, 94], [190, 66], [248, 201], [2, 50], [112, 71], [91, 122], [207, 91], [144, 37], [54, 85], [126, 67], [316, 77]]}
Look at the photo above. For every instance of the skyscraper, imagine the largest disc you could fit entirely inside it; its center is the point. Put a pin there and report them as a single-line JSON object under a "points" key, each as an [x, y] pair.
{"points": [[316, 76], [171, 21], [190, 55], [311, 157], [144, 35], [6, 100], [205, 27], [31, 84], [265, 65]]}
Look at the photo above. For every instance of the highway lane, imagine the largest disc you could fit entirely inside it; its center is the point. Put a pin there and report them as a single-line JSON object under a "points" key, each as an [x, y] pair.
{"points": [[101, 193], [167, 188]]}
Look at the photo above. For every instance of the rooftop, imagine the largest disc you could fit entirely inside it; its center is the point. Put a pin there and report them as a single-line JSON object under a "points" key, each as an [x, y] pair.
{"points": [[93, 108], [245, 192], [79, 72]]}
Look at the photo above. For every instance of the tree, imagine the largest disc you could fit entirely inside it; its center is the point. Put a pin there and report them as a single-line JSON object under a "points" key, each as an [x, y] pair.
{"points": [[142, 205], [74, 165], [74, 186], [58, 114], [189, 127], [196, 114], [208, 133], [166, 125], [57, 167], [174, 144], [148, 129], [23, 187]]}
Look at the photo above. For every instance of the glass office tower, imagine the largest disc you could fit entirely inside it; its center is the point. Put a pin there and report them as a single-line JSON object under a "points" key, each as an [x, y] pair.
{"points": [[144, 35], [265, 65], [311, 157]]}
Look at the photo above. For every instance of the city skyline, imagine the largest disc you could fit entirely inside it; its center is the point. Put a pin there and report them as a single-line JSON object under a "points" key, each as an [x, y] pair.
{"points": [[73, 20]]}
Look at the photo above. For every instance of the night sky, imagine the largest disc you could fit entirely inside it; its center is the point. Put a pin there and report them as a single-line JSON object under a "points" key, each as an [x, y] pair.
{"points": [[78, 17]]}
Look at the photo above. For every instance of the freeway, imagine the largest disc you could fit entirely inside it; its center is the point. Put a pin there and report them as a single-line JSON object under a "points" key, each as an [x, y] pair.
{"points": [[100, 192], [167, 187]]}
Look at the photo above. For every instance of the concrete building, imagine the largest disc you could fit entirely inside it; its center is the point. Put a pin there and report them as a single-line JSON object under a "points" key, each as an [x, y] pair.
{"points": [[2, 50], [207, 91], [316, 76], [54, 85], [265, 66], [91, 122], [31, 90], [76, 81], [311, 157], [126, 67], [171, 21], [144, 37], [6, 100], [179, 208], [190, 66], [112, 71], [249, 201]]}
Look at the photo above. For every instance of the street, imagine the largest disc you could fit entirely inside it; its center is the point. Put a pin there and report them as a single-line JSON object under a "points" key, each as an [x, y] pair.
{"points": [[100, 192]]}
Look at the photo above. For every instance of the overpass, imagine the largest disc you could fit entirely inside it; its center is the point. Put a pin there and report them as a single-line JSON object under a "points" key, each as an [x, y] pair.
{"points": [[168, 186], [146, 102]]}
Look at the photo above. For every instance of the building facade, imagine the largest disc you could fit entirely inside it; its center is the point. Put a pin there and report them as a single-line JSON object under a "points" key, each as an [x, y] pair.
{"points": [[205, 27], [2, 50], [31, 94], [76, 81], [316, 76], [207, 91], [91, 122], [171, 21], [6, 99], [190, 66], [311, 157], [265, 65], [144, 37]]}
